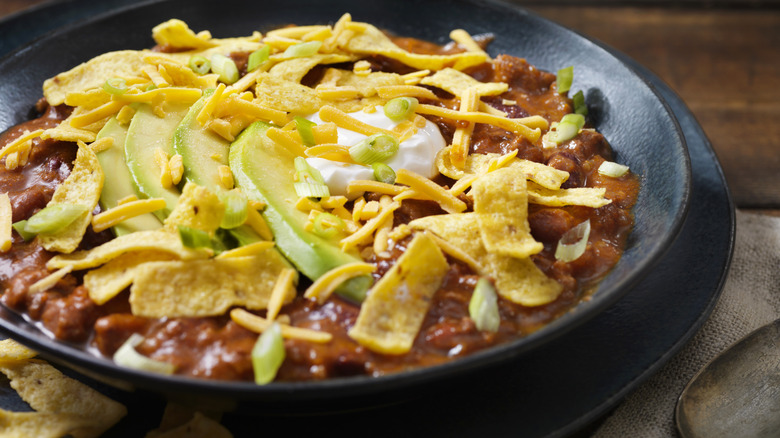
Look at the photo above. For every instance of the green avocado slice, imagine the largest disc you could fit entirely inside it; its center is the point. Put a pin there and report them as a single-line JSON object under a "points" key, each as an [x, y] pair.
{"points": [[146, 133], [118, 181], [202, 151], [265, 170]]}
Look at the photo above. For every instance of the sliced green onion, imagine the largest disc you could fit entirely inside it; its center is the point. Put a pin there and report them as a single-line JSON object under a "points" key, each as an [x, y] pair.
{"points": [[568, 128], [483, 307], [328, 225], [258, 58], [127, 356], [611, 169], [268, 354], [383, 173], [579, 103], [306, 172], [302, 49], [304, 130], [150, 87], [378, 147], [115, 86], [244, 235], [564, 79], [193, 237], [311, 189], [54, 218], [199, 64], [573, 243], [400, 108], [236, 208], [19, 227], [225, 68]]}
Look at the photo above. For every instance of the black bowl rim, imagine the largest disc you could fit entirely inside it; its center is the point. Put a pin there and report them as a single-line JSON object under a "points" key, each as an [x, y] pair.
{"points": [[344, 387]]}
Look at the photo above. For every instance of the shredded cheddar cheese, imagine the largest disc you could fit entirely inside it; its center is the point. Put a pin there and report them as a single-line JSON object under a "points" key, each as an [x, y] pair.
{"points": [[6, 222], [444, 198], [284, 289], [344, 120], [258, 324], [49, 281], [125, 211], [324, 286]]}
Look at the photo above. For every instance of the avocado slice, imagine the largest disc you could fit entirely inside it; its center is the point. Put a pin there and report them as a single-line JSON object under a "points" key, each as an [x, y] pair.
{"points": [[265, 170], [118, 182], [202, 150], [146, 133]]}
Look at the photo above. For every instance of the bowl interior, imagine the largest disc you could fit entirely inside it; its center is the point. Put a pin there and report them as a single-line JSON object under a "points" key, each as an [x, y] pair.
{"points": [[634, 119]]}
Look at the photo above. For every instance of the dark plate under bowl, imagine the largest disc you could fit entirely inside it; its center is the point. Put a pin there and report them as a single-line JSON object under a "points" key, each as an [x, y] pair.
{"points": [[623, 106]]}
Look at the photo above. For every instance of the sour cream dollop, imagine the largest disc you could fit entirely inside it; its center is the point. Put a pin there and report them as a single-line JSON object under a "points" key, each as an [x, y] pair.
{"points": [[417, 153]]}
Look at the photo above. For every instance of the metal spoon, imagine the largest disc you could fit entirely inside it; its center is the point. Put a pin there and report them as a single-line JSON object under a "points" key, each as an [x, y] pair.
{"points": [[738, 393]]}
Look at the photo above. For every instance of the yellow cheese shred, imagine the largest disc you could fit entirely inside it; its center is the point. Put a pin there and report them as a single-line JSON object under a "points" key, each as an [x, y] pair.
{"points": [[456, 253], [463, 38], [49, 281], [20, 142], [344, 120], [246, 250], [211, 104], [255, 221], [6, 222], [324, 286], [357, 187], [257, 324], [423, 185], [123, 212], [329, 92], [289, 139], [414, 77], [469, 102], [97, 114], [364, 233], [528, 127], [284, 289], [393, 91]]}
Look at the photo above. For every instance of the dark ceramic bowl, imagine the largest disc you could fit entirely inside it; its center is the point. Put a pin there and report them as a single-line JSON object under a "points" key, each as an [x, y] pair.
{"points": [[623, 106]]}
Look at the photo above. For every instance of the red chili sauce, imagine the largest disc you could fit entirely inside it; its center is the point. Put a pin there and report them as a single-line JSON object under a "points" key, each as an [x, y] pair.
{"points": [[217, 348]]}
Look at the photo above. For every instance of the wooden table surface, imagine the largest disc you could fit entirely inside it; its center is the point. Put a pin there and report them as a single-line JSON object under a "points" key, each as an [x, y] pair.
{"points": [[721, 56]]}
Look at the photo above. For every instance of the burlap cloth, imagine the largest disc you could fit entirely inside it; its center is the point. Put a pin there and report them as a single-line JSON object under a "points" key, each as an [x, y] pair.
{"points": [[750, 299]]}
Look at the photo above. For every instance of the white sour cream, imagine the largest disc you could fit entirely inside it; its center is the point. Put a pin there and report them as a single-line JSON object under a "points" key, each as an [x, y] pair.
{"points": [[417, 153]]}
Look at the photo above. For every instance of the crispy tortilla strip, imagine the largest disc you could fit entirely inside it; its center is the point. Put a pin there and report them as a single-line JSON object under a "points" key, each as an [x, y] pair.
{"points": [[517, 280], [368, 40], [584, 196], [65, 132], [12, 351], [501, 206], [109, 280], [478, 164], [367, 85], [93, 74], [198, 207], [211, 287], [181, 75], [287, 96], [82, 411], [296, 68], [81, 187], [158, 240], [393, 312], [455, 83], [176, 34]]}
